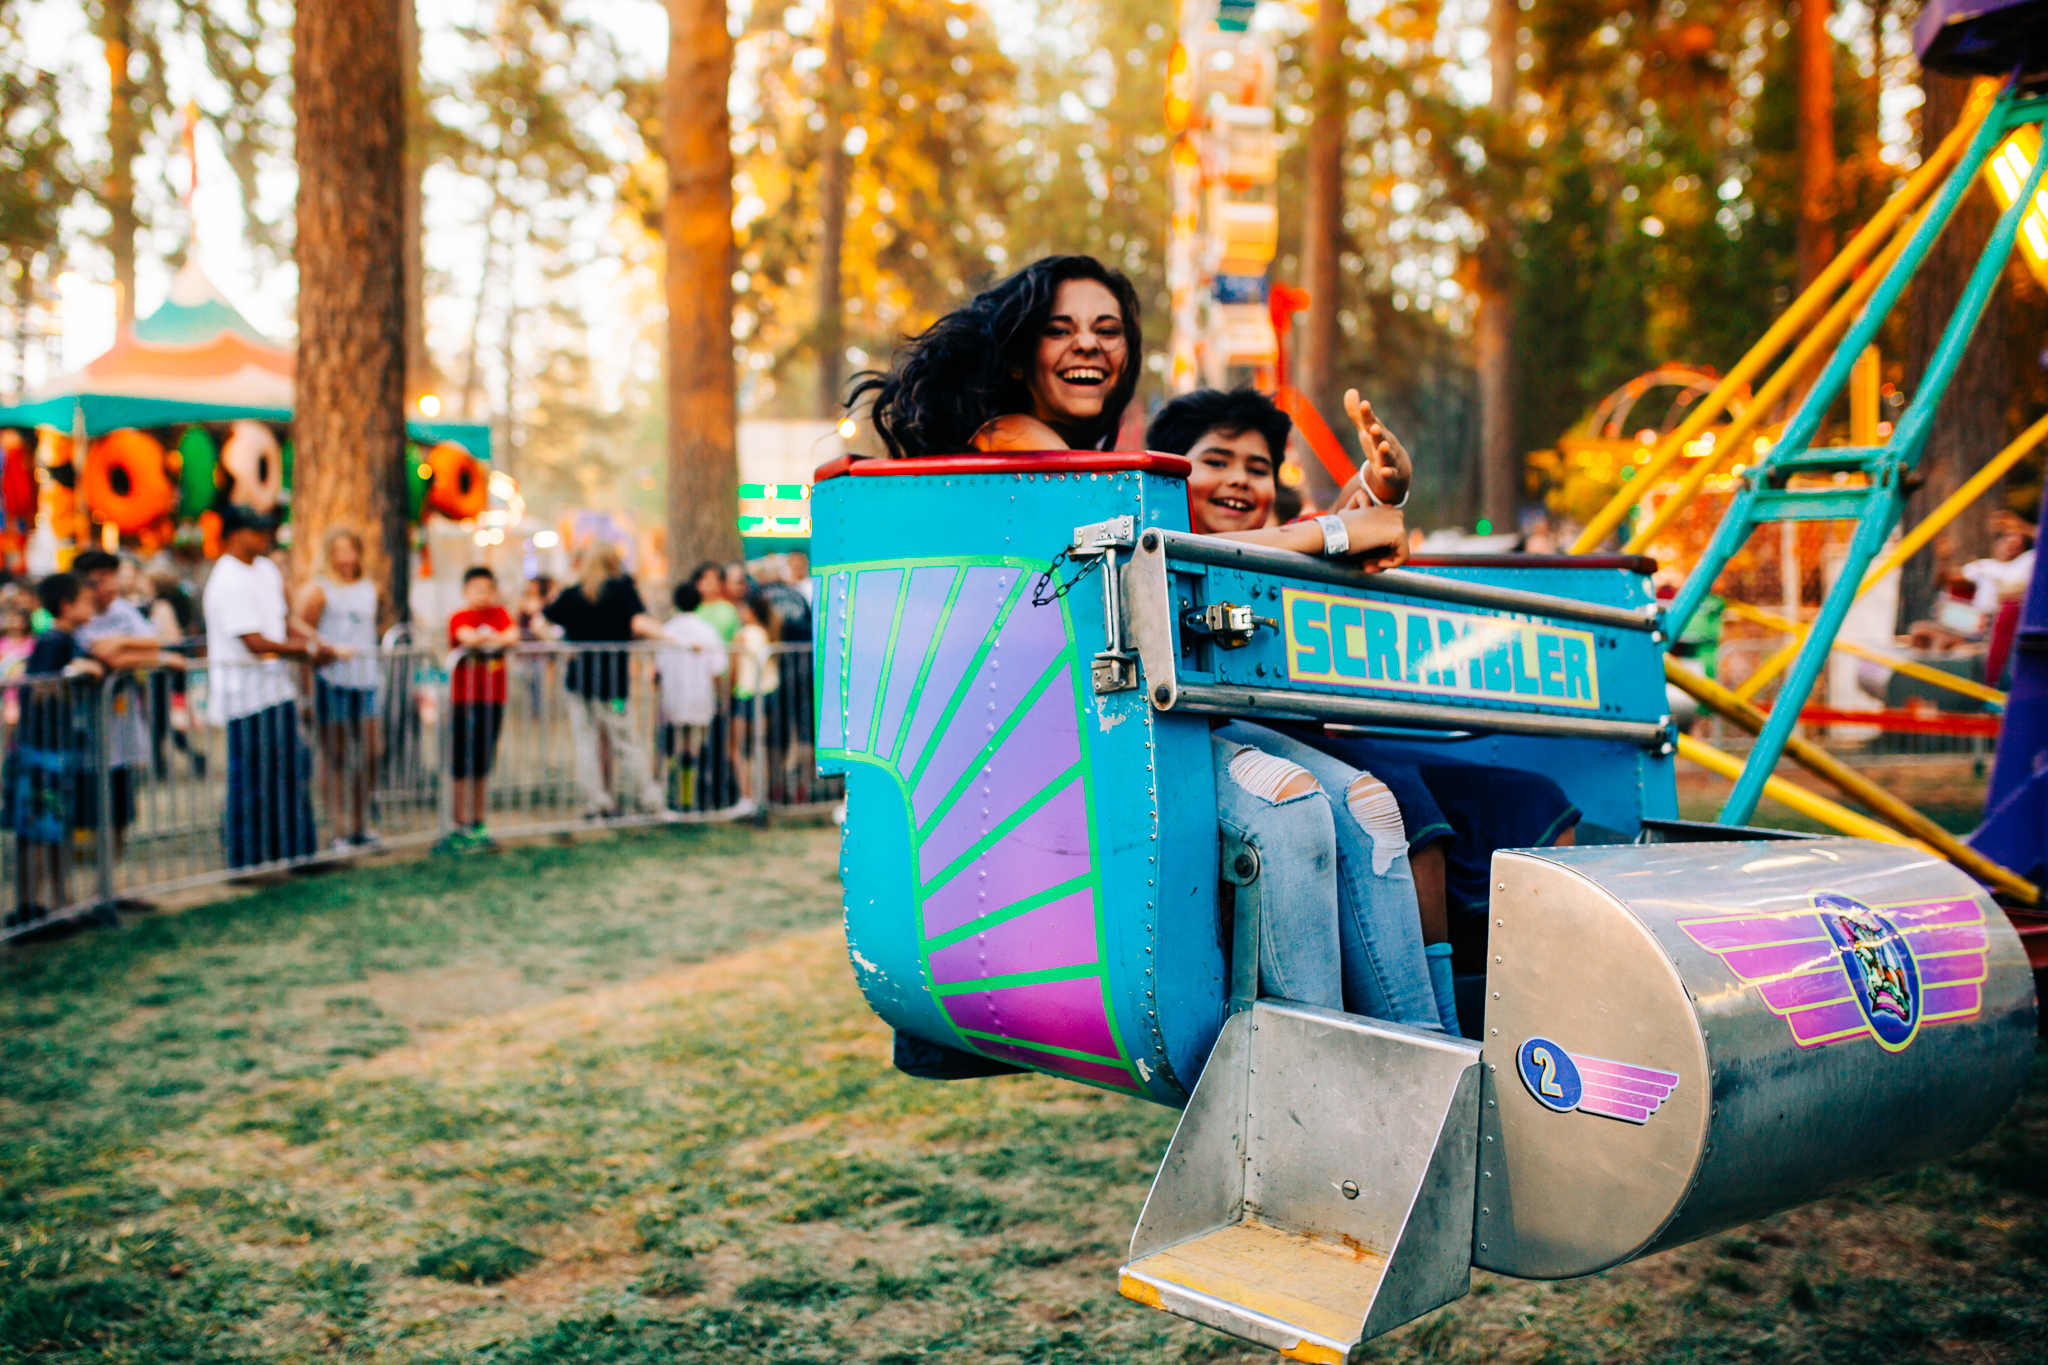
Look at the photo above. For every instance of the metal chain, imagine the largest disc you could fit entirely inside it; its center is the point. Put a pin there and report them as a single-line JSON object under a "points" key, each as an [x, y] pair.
{"points": [[1039, 596]]}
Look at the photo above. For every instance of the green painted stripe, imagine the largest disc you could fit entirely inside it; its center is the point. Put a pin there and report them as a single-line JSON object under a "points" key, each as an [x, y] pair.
{"points": [[959, 697], [1012, 910], [1046, 1048], [965, 781], [998, 983], [888, 662], [995, 836], [931, 652]]}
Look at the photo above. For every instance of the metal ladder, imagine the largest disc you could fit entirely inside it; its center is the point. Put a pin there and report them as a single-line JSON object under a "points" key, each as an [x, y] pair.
{"points": [[1875, 506]]}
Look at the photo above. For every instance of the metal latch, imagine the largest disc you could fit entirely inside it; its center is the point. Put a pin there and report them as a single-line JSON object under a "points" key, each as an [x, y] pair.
{"points": [[1113, 669], [1227, 624]]}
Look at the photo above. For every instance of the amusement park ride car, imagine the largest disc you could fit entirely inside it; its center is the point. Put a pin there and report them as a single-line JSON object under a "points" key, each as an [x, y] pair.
{"points": [[1680, 1027]]}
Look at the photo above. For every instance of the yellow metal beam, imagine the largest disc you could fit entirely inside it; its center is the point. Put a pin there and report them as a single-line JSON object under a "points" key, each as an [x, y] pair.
{"points": [[1790, 794], [1813, 350], [1911, 668], [1795, 318], [1853, 785]]}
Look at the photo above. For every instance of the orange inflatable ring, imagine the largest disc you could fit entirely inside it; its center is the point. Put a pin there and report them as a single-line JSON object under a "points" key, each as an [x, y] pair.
{"points": [[461, 486], [254, 464], [125, 481]]}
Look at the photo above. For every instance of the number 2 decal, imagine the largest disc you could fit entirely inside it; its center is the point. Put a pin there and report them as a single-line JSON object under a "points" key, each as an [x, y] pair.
{"points": [[1551, 1074]]}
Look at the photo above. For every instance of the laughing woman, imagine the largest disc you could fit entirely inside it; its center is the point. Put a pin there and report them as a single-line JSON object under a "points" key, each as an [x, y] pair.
{"points": [[1044, 360]]}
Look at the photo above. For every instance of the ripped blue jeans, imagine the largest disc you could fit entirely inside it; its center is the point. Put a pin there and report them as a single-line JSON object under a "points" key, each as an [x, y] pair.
{"points": [[1339, 925]]}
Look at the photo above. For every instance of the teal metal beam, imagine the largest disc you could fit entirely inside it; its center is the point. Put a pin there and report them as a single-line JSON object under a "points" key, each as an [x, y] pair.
{"points": [[1881, 513]]}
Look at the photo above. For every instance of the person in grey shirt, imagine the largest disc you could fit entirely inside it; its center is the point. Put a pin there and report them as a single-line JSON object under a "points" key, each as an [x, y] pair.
{"points": [[120, 637]]}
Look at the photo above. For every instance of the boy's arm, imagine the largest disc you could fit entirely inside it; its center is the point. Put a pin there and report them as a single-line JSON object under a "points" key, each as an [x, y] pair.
{"points": [[1378, 537]]}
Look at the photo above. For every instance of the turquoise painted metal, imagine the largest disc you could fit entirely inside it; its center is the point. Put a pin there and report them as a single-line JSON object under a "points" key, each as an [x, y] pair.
{"points": [[1030, 865], [1876, 505]]}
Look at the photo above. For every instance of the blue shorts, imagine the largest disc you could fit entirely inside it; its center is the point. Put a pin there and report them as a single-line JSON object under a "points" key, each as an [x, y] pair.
{"points": [[333, 705]]}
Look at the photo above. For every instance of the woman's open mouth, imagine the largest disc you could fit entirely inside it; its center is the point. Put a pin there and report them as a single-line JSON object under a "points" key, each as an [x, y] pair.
{"points": [[1088, 376]]}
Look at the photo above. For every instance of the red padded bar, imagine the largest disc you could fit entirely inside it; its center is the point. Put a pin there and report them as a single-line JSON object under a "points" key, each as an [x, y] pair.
{"points": [[1012, 462]]}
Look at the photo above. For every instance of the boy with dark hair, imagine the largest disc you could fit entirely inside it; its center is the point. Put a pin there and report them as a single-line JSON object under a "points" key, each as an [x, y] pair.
{"points": [[1447, 816], [477, 692], [55, 785]]}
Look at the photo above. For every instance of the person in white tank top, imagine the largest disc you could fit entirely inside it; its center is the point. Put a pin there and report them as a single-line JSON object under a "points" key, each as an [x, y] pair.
{"points": [[340, 604]]}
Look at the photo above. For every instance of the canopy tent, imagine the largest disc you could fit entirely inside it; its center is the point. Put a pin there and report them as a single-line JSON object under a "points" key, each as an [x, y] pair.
{"points": [[194, 360]]}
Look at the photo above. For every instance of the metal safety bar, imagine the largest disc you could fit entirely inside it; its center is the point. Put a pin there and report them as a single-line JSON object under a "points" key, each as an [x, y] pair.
{"points": [[1233, 554]]}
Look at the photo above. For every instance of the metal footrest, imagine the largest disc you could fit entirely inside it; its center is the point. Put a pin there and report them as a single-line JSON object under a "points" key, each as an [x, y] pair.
{"points": [[1319, 1189]]}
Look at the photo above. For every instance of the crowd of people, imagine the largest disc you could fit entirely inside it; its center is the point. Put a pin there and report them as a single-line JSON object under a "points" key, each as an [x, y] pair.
{"points": [[98, 661]]}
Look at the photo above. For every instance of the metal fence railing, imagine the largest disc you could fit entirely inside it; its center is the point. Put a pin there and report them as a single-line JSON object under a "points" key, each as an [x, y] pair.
{"points": [[149, 781]]}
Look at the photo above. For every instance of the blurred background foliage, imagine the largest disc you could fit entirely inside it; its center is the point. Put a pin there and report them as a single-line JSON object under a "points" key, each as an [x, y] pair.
{"points": [[1645, 183]]}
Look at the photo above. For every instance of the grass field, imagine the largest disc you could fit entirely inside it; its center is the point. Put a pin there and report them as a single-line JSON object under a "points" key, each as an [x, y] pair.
{"points": [[619, 1102]]}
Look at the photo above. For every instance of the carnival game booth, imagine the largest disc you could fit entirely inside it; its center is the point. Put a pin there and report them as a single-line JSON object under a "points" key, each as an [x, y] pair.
{"points": [[188, 411], [1679, 1027]]}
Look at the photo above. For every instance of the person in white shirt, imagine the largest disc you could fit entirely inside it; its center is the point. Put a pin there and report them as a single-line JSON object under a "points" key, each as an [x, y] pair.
{"points": [[249, 634], [690, 664]]}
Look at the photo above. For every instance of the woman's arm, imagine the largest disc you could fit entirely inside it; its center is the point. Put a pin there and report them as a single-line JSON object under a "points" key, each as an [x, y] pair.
{"points": [[1378, 535], [312, 603], [645, 627]]}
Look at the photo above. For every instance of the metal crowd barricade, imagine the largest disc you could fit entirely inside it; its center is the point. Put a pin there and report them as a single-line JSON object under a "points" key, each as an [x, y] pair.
{"points": [[51, 799], [151, 781]]}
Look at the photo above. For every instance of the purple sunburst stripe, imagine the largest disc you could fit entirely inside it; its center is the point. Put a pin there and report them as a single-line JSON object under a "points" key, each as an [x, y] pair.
{"points": [[1048, 848], [832, 700], [1045, 744], [1066, 1014], [1066, 1066], [874, 607], [1824, 1023], [974, 611], [1058, 934], [1030, 640], [922, 602], [1950, 1002]]}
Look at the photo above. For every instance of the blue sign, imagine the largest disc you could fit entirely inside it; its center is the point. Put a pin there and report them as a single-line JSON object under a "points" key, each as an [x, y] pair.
{"points": [[1551, 1074]]}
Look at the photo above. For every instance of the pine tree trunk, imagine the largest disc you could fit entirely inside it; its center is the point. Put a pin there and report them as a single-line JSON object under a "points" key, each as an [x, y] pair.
{"points": [[348, 105], [832, 189], [1322, 212], [1816, 63], [124, 145], [703, 461], [1500, 468], [1970, 425], [420, 375]]}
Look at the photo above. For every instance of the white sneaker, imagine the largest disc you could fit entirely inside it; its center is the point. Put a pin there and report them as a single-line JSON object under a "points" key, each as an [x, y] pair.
{"points": [[744, 807], [341, 845]]}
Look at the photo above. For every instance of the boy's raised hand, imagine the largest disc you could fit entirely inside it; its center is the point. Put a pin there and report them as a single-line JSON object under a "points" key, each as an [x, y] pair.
{"points": [[1387, 467]]}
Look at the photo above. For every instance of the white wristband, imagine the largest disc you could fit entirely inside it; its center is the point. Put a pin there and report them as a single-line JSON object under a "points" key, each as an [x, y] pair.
{"points": [[1377, 501], [1336, 539]]}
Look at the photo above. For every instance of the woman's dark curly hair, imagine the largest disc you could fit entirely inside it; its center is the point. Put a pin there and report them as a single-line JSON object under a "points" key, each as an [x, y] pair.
{"points": [[956, 376]]}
